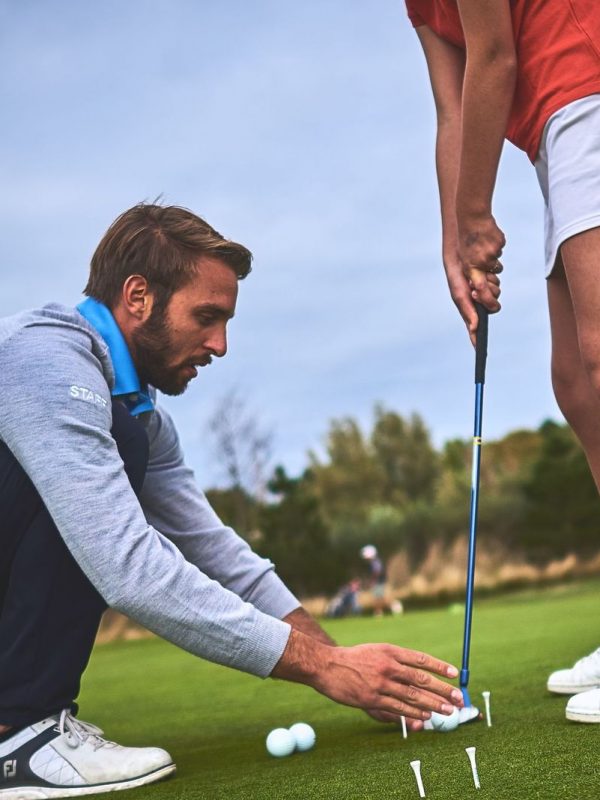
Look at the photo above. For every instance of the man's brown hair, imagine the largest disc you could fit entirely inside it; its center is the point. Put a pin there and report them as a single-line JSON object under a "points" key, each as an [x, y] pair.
{"points": [[163, 244]]}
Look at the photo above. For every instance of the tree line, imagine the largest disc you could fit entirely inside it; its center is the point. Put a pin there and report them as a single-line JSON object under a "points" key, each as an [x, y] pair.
{"points": [[389, 486]]}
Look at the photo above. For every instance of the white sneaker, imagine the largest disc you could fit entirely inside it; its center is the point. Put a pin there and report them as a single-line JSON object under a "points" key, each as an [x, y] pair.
{"points": [[584, 675], [584, 707], [64, 757]]}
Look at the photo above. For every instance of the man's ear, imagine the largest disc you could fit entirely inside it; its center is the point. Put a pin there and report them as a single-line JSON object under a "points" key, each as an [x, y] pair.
{"points": [[137, 298]]}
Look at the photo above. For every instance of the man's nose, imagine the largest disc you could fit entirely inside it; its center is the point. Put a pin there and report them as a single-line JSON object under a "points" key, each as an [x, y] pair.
{"points": [[217, 344]]}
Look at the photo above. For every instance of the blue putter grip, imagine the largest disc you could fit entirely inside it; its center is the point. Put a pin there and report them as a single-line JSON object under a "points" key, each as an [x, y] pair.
{"points": [[481, 343]]}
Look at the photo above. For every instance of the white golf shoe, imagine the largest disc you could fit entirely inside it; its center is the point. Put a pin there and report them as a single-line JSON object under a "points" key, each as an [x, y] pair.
{"points": [[584, 707], [584, 675], [64, 757]]}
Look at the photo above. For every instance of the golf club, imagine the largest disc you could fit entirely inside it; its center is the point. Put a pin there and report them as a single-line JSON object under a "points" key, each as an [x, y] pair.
{"points": [[480, 359]]}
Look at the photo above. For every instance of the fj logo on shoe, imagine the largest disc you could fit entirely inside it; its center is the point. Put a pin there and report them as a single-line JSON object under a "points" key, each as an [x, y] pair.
{"points": [[10, 769]]}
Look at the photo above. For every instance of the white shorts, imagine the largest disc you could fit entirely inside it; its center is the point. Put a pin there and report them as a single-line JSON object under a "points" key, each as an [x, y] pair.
{"points": [[568, 170]]}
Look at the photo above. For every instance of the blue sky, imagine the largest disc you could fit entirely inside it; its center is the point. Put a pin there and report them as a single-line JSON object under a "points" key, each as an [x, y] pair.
{"points": [[305, 131]]}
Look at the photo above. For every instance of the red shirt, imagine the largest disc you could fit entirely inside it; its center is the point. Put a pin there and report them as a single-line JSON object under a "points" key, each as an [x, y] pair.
{"points": [[558, 55]]}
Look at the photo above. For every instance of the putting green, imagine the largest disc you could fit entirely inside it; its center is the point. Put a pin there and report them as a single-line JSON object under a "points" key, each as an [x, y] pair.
{"points": [[214, 721]]}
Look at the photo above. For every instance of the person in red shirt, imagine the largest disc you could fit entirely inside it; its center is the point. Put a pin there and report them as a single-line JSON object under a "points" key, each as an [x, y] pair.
{"points": [[528, 71]]}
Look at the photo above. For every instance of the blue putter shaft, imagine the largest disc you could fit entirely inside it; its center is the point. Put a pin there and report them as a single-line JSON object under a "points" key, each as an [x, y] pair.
{"points": [[480, 361]]}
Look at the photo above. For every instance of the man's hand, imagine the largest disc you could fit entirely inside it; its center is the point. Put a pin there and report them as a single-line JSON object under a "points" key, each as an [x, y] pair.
{"points": [[302, 621], [386, 681], [389, 680]]}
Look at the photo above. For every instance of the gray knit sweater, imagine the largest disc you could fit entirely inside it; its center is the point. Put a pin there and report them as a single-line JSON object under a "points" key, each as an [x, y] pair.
{"points": [[165, 560]]}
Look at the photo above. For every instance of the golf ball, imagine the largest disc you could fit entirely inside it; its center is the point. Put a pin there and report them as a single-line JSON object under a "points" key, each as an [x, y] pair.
{"points": [[280, 742], [304, 736], [444, 723]]}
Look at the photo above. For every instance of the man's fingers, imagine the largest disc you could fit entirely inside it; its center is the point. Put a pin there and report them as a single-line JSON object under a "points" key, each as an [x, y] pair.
{"points": [[415, 658], [423, 688], [386, 716], [400, 708], [425, 699], [392, 706], [381, 716]]}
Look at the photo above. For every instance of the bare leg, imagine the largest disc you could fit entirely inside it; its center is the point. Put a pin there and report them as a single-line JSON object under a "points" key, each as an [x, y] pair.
{"points": [[574, 302]]}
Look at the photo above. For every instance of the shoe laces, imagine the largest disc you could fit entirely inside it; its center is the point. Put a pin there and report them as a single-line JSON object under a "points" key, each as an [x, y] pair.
{"points": [[77, 732]]}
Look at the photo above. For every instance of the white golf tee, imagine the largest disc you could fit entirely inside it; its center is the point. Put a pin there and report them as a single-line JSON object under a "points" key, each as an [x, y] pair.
{"points": [[404, 731], [416, 768], [470, 751], [488, 716]]}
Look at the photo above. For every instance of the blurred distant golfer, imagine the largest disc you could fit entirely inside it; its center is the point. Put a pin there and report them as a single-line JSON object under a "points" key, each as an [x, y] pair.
{"points": [[377, 577], [527, 70], [97, 509]]}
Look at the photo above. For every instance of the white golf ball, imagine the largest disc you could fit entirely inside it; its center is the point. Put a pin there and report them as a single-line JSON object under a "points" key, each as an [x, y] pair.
{"points": [[280, 742], [304, 736], [443, 723]]}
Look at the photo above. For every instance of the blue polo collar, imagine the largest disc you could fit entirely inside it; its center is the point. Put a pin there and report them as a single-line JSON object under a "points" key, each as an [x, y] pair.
{"points": [[127, 383]]}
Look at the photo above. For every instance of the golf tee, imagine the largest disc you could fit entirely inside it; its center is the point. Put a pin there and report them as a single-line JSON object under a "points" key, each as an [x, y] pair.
{"points": [[416, 768], [404, 731], [486, 700], [470, 751]]}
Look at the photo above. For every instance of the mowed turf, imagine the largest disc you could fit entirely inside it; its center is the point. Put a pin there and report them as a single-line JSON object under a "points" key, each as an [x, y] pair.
{"points": [[214, 721]]}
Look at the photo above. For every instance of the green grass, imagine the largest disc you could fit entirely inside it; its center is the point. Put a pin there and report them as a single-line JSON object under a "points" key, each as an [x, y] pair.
{"points": [[214, 721]]}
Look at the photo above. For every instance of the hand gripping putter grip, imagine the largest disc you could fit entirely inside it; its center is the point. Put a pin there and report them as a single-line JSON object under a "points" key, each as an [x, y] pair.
{"points": [[481, 342]]}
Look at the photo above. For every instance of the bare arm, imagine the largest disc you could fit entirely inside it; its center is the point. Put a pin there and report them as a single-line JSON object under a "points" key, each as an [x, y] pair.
{"points": [[488, 89], [446, 65], [472, 98]]}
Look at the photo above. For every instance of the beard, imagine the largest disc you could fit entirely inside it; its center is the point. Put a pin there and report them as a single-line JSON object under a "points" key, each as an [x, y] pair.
{"points": [[152, 355]]}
